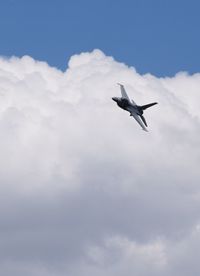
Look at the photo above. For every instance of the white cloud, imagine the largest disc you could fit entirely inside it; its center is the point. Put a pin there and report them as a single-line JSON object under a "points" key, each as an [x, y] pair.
{"points": [[83, 190]]}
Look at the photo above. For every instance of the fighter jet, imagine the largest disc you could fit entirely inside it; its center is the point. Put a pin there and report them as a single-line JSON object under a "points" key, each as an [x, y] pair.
{"points": [[135, 110]]}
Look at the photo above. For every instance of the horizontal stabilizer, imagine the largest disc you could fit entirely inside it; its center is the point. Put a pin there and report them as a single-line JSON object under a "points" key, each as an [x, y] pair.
{"points": [[143, 107]]}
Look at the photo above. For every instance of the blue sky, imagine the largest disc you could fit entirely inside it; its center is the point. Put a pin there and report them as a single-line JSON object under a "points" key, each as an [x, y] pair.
{"points": [[156, 36]]}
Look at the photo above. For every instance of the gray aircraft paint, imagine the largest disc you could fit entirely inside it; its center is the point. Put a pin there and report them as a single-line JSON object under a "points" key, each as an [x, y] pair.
{"points": [[135, 110]]}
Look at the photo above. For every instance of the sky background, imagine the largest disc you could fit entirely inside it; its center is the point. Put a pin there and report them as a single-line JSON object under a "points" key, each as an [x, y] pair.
{"points": [[156, 36]]}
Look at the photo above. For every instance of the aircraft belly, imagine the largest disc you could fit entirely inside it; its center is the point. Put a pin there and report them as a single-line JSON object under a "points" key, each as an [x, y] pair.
{"points": [[131, 109]]}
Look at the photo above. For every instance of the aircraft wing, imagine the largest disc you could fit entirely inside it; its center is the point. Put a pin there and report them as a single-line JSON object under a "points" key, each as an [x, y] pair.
{"points": [[137, 118], [123, 92]]}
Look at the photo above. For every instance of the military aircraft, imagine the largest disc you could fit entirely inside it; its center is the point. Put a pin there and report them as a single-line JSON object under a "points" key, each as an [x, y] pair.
{"points": [[135, 110]]}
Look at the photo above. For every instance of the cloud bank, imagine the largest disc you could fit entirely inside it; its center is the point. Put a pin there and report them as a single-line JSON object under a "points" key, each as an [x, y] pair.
{"points": [[83, 190]]}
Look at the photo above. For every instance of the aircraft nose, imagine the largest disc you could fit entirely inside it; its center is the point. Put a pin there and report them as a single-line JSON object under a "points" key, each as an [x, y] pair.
{"points": [[114, 99]]}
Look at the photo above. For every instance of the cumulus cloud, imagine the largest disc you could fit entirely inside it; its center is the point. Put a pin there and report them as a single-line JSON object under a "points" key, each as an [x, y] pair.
{"points": [[84, 191]]}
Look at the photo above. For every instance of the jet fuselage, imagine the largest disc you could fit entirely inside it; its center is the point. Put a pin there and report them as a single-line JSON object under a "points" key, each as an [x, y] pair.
{"points": [[136, 111], [127, 105]]}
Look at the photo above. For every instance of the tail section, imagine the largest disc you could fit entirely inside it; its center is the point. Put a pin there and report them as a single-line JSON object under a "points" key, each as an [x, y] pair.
{"points": [[143, 107]]}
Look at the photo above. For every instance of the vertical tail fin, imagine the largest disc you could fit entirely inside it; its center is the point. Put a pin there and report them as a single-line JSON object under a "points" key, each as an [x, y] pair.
{"points": [[143, 107]]}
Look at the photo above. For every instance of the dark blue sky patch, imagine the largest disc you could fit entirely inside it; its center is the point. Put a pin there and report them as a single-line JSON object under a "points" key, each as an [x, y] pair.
{"points": [[160, 37]]}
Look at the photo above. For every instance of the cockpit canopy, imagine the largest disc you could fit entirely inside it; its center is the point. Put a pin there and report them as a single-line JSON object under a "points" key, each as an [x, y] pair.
{"points": [[122, 102]]}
